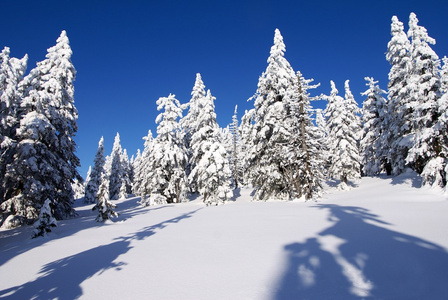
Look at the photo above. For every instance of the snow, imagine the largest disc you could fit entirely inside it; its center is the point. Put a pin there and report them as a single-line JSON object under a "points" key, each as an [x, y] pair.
{"points": [[386, 238]]}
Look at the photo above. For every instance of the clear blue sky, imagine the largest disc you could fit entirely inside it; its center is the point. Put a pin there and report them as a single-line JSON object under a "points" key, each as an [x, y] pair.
{"points": [[129, 53]]}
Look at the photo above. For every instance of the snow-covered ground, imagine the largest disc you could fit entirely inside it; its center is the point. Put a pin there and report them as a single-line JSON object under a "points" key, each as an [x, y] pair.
{"points": [[384, 239]]}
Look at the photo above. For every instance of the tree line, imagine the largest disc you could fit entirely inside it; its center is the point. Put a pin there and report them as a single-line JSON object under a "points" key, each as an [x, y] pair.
{"points": [[282, 147]]}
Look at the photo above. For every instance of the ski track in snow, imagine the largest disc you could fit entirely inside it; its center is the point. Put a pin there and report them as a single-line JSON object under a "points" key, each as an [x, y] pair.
{"points": [[383, 239]]}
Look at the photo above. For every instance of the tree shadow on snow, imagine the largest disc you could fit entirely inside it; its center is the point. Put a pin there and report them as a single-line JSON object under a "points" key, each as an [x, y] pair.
{"points": [[409, 176], [62, 279], [17, 241], [357, 259]]}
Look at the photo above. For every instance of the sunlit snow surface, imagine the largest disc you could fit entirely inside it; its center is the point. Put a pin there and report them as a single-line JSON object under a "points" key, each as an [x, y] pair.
{"points": [[383, 239]]}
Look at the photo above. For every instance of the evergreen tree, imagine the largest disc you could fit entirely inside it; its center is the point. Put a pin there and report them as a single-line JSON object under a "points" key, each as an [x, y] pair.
{"points": [[143, 171], [45, 221], [45, 163], [207, 131], [117, 179], [343, 137], [189, 123], [104, 206], [424, 89], [244, 131], [93, 185], [306, 150], [11, 74], [374, 111], [275, 150], [398, 121], [168, 158], [235, 153], [211, 173]]}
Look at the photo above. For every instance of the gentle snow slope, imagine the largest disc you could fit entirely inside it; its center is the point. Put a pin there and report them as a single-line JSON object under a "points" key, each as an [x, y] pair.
{"points": [[385, 239]]}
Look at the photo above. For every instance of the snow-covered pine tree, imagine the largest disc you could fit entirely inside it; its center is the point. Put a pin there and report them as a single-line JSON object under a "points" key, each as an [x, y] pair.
{"points": [[395, 140], [45, 163], [11, 74], [321, 125], [244, 133], [168, 158], [45, 222], [117, 184], [127, 178], [424, 89], [373, 115], [211, 172], [96, 175], [143, 178], [104, 206], [272, 158], [189, 122], [235, 153], [343, 137], [136, 166], [306, 148]]}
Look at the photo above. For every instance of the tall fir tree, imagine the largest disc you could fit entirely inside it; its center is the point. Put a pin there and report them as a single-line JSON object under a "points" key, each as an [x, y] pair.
{"points": [[396, 139], [189, 122], [235, 152], [143, 170], [45, 162], [117, 177], [373, 115], [96, 175], [11, 74], [211, 172], [424, 89], [272, 140], [343, 137], [306, 149], [169, 156]]}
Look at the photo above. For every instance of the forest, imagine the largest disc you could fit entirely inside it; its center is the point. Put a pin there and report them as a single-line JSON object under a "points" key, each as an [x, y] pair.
{"points": [[283, 148]]}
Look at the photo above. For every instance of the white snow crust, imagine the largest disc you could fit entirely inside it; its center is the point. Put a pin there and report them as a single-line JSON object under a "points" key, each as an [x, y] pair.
{"points": [[385, 238]]}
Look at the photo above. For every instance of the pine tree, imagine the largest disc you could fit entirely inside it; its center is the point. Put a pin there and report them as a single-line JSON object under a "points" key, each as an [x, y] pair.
{"points": [[168, 158], [126, 188], [306, 150], [343, 137], [374, 112], [189, 122], [93, 185], [211, 172], [143, 171], [11, 74], [104, 206], [207, 131], [45, 221], [117, 181], [424, 89], [244, 131], [45, 163], [235, 153], [396, 139], [273, 142]]}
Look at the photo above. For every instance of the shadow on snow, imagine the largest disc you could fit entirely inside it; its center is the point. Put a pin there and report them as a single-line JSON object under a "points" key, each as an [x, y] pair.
{"points": [[62, 278], [18, 239], [357, 259]]}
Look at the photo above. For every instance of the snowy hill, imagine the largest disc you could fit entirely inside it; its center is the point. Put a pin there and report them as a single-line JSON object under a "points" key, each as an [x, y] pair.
{"points": [[384, 239]]}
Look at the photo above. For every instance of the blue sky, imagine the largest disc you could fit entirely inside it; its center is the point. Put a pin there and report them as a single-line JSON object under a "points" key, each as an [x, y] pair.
{"points": [[129, 53]]}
